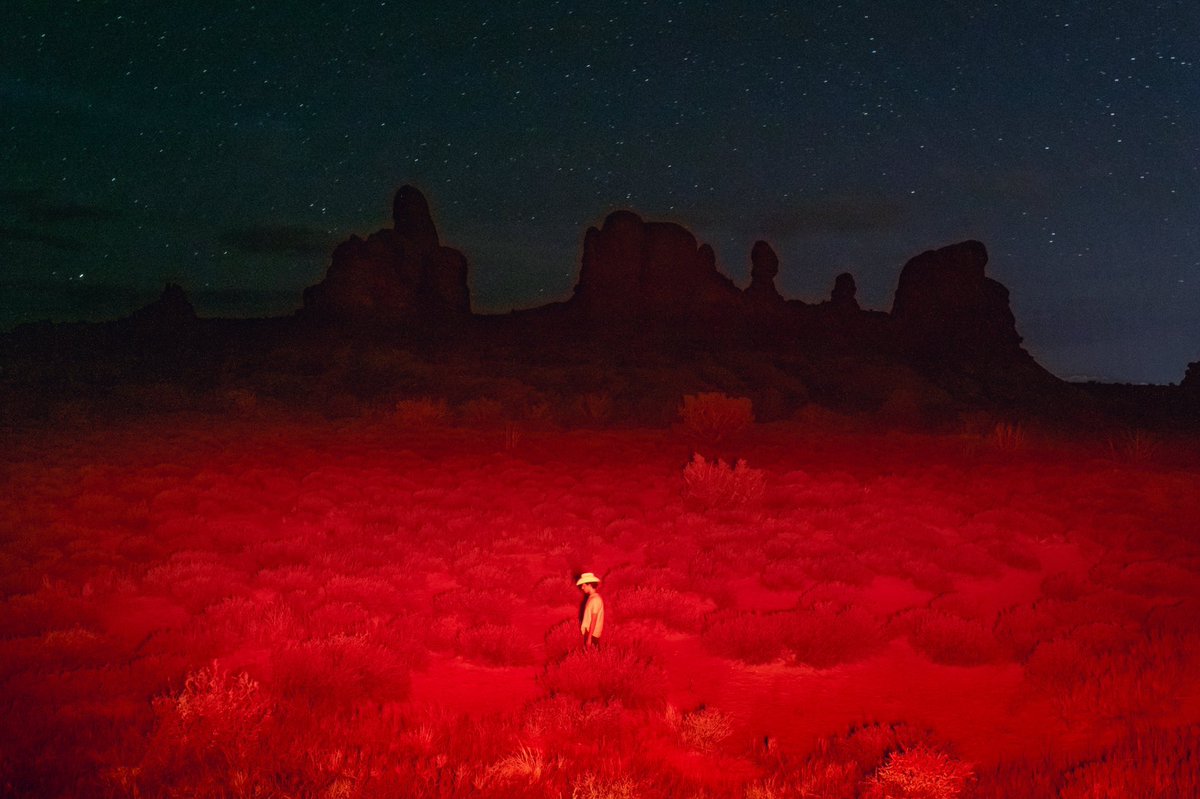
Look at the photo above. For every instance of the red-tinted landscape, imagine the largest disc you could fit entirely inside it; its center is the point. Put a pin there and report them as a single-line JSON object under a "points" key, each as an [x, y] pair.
{"points": [[264, 604]]}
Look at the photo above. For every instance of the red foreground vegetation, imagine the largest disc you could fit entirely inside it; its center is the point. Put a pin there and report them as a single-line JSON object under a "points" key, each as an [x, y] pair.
{"points": [[252, 609]]}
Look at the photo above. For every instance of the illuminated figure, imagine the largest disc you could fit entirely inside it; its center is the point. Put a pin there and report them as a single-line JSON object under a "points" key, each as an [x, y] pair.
{"points": [[591, 613]]}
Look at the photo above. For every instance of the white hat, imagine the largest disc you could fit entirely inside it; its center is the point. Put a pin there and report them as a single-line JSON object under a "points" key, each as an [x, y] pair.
{"points": [[587, 577]]}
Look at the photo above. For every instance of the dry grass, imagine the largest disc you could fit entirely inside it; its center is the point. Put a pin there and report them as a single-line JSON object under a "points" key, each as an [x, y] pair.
{"points": [[713, 417], [331, 572], [713, 485]]}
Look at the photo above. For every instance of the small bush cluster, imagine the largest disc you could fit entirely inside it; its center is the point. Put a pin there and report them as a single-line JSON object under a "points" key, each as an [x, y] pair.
{"points": [[612, 673], [919, 773], [702, 729], [422, 412], [1009, 437], [1135, 446], [819, 635], [714, 417], [716, 484]]}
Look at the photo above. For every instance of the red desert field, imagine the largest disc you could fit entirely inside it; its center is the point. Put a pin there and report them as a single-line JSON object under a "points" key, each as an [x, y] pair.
{"points": [[363, 609]]}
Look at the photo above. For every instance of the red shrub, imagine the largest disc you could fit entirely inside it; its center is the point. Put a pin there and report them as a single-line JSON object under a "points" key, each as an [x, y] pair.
{"points": [[1157, 763], [495, 645], [713, 416], [919, 773], [747, 636], [719, 485], [209, 736], [421, 413], [675, 609], [950, 639], [338, 672], [612, 673], [826, 634]]}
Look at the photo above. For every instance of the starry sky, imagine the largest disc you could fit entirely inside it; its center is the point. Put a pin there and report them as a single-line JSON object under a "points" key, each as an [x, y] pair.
{"points": [[229, 145]]}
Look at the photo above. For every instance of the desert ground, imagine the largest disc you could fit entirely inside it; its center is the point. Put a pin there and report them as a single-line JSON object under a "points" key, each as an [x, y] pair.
{"points": [[260, 604]]}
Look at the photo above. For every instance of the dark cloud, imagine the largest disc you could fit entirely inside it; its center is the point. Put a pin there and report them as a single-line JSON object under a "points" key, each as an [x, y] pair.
{"points": [[33, 205], [11, 234], [45, 213], [19, 198], [278, 240]]}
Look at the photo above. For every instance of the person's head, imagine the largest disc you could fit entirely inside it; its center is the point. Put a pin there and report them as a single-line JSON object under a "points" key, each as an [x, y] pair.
{"points": [[588, 583]]}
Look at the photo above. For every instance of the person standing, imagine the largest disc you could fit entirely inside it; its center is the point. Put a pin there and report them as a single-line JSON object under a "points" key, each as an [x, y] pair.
{"points": [[591, 612]]}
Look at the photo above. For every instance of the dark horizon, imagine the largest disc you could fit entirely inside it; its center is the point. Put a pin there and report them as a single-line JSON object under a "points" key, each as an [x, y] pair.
{"points": [[100, 304], [230, 152]]}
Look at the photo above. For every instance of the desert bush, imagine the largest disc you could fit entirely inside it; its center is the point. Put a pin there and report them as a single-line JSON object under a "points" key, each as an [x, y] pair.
{"points": [[821, 635], [714, 417], [337, 672], [919, 773], [208, 738], [524, 767], [561, 719], [1151, 763], [240, 401], [1134, 446], [826, 634], [196, 579], [679, 611], [562, 639], [747, 636], [950, 639], [821, 419], [422, 412], [475, 605], [495, 644], [715, 485], [593, 786], [594, 409], [1009, 437], [611, 673], [481, 412], [702, 729], [1153, 579], [552, 591], [836, 566], [1067, 586], [839, 766], [1020, 628]]}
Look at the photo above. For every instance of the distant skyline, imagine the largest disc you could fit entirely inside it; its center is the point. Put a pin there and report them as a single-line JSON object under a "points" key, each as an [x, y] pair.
{"points": [[229, 146]]}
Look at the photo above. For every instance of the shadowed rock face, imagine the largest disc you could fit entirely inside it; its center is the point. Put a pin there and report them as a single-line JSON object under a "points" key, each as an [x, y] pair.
{"points": [[845, 292], [1191, 378], [170, 311], [651, 271], [412, 221], [394, 275], [653, 282], [764, 267], [946, 306]]}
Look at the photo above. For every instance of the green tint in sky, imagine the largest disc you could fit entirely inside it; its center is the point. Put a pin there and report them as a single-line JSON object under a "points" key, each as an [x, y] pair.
{"points": [[229, 146]]}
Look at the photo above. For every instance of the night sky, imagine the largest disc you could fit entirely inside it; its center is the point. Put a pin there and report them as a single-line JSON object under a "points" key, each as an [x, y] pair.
{"points": [[228, 146]]}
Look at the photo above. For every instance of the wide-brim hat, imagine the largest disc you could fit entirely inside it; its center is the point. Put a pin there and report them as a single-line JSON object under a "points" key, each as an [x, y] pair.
{"points": [[587, 577]]}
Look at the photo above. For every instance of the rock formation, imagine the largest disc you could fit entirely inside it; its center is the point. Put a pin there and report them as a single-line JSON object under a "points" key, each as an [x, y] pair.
{"points": [[649, 271], [844, 294], [654, 282], [764, 266], [1191, 378], [401, 274], [171, 311], [946, 307]]}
